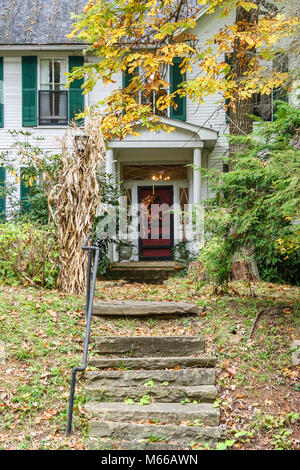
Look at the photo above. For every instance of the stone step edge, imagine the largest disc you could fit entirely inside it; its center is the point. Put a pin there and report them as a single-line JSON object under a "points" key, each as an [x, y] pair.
{"points": [[205, 393], [166, 413], [150, 363], [144, 308], [182, 377], [170, 432], [108, 444], [146, 346]]}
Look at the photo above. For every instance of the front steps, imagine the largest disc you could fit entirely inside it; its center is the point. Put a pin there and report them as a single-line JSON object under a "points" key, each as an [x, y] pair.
{"points": [[160, 394], [140, 308], [153, 272]]}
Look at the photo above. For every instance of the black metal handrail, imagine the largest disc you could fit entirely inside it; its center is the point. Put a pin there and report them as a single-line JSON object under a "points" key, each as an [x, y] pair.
{"points": [[93, 252]]}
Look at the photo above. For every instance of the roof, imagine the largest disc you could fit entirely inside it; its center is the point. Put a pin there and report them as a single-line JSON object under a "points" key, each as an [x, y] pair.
{"points": [[37, 22], [41, 22]]}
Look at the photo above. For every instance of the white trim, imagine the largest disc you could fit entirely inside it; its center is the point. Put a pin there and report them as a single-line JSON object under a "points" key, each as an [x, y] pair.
{"points": [[156, 144], [177, 228], [201, 137], [52, 57]]}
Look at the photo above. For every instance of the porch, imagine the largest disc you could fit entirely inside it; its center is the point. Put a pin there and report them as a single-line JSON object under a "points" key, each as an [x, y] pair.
{"points": [[159, 170]]}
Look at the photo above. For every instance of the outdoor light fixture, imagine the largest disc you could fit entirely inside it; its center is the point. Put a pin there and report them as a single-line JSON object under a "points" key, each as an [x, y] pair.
{"points": [[160, 178], [81, 139]]}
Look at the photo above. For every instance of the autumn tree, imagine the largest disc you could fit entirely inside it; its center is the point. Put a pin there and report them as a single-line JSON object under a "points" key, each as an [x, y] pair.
{"points": [[234, 64]]}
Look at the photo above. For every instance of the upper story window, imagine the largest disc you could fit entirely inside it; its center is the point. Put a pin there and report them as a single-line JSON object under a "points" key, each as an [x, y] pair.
{"points": [[53, 96], [171, 74], [152, 96], [263, 104]]}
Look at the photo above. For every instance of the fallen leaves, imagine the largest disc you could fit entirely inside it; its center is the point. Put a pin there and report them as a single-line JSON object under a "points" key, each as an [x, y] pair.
{"points": [[292, 374]]}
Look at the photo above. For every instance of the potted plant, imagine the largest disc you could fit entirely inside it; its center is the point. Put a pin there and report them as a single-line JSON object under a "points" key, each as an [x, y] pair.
{"points": [[125, 250]]}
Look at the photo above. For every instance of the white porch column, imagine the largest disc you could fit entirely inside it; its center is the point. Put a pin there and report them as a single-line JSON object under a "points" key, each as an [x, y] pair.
{"points": [[110, 162], [110, 170], [197, 160]]}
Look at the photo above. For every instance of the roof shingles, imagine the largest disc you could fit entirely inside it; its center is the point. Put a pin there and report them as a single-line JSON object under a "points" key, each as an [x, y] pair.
{"points": [[46, 22], [37, 22]]}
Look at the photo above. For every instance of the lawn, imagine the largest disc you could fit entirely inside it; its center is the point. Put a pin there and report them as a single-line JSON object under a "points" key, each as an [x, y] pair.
{"points": [[258, 385]]}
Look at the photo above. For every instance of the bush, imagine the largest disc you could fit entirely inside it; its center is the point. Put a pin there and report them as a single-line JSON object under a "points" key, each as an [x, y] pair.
{"points": [[28, 254], [255, 207]]}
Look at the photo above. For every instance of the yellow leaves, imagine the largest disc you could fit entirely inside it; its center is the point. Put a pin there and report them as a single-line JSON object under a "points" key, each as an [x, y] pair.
{"points": [[248, 5], [292, 374], [121, 37]]}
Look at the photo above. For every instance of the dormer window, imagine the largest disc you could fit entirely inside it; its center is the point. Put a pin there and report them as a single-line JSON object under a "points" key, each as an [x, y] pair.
{"points": [[53, 96]]}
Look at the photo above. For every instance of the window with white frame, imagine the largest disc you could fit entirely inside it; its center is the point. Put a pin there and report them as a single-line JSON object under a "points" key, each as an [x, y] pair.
{"points": [[152, 96], [53, 96]]}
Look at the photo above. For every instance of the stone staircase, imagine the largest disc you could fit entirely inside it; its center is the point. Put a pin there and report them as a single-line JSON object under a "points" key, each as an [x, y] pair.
{"points": [[153, 272], [156, 393]]}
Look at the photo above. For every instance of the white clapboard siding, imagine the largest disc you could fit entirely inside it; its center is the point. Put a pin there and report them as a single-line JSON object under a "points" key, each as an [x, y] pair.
{"points": [[208, 114]]}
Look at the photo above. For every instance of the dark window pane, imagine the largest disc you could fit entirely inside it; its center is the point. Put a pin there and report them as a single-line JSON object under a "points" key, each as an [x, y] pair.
{"points": [[50, 72], [53, 107], [56, 72], [262, 106]]}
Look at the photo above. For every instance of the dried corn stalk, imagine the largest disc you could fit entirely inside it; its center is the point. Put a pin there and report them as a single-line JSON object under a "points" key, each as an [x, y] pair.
{"points": [[73, 202]]}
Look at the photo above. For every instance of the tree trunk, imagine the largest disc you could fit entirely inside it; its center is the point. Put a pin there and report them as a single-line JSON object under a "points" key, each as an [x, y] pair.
{"points": [[240, 122]]}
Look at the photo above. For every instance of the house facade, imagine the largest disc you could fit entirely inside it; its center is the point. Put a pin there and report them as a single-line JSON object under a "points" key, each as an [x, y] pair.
{"points": [[154, 167]]}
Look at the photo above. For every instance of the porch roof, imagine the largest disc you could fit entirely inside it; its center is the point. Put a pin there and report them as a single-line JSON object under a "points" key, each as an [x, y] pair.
{"points": [[185, 135]]}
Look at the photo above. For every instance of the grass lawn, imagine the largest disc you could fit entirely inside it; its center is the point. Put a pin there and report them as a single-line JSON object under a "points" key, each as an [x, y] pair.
{"points": [[258, 386]]}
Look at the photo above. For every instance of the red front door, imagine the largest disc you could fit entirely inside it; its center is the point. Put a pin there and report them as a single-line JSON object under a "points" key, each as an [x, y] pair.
{"points": [[156, 223]]}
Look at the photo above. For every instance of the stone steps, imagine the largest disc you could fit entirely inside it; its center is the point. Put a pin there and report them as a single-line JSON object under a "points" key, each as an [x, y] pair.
{"points": [[164, 413], [144, 271], [136, 378], [153, 363], [161, 396], [170, 433], [201, 393], [143, 346], [128, 308]]}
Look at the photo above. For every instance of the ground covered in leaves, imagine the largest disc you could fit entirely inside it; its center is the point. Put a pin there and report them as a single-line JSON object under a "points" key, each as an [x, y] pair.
{"points": [[43, 331]]}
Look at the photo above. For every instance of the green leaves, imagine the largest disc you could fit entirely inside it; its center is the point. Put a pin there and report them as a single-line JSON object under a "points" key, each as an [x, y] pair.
{"points": [[256, 204], [225, 445], [28, 254]]}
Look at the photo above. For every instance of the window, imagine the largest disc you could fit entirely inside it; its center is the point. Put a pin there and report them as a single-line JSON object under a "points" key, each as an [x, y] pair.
{"points": [[153, 96], [53, 97], [263, 105], [167, 73]]}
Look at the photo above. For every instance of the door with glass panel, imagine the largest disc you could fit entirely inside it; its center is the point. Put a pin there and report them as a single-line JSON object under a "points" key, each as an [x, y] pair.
{"points": [[156, 223], [53, 96]]}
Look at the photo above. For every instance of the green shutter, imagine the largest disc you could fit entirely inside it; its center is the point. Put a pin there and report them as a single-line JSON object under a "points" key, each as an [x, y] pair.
{"points": [[76, 98], [2, 197], [24, 190], [176, 78], [1, 94], [127, 77], [29, 91]]}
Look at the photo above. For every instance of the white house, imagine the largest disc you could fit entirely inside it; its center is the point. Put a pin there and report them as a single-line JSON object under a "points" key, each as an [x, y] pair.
{"points": [[35, 54]]}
